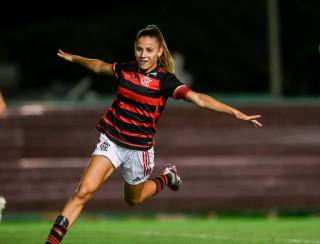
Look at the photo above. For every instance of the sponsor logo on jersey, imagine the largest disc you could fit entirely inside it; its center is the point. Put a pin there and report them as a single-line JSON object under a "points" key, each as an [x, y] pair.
{"points": [[135, 77]]}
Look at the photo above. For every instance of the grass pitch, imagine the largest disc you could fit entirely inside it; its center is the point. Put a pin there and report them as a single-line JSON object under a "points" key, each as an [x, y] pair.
{"points": [[296, 230]]}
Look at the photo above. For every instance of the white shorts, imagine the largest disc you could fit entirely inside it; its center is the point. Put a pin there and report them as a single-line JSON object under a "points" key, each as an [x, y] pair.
{"points": [[136, 166]]}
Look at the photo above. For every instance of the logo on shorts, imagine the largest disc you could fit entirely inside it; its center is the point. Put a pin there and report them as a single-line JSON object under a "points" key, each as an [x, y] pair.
{"points": [[104, 146], [136, 179]]}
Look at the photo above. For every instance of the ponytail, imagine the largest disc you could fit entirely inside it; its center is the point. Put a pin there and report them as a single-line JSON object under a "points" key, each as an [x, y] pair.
{"points": [[165, 60]]}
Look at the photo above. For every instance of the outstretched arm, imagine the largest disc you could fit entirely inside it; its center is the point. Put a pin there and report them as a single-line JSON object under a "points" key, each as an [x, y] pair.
{"points": [[95, 65], [205, 101]]}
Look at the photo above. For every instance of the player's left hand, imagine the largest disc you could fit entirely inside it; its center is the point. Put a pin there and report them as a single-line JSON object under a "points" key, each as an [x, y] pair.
{"points": [[251, 118]]}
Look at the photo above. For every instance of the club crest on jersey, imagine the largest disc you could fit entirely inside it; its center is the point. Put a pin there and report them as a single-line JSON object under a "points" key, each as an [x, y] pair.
{"points": [[145, 81]]}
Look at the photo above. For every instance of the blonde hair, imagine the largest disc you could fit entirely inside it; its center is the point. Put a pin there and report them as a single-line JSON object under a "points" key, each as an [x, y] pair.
{"points": [[165, 60]]}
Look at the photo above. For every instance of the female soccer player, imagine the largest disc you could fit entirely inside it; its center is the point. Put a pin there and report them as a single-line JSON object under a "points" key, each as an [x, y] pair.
{"points": [[128, 127]]}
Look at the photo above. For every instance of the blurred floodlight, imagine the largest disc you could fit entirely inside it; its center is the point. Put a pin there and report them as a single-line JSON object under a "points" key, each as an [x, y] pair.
{"points": [[180, 71], [81, 88]]}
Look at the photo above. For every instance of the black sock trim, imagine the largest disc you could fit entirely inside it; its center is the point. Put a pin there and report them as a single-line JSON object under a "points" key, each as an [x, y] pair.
{"points": [[58, 229], [62, 221]]}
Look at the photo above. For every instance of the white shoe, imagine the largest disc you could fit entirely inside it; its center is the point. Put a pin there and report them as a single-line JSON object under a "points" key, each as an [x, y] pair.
{"points": [[174, 180]]}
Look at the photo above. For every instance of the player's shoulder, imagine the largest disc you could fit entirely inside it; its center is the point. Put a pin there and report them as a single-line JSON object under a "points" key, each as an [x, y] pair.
{"points": [[164, 74]]}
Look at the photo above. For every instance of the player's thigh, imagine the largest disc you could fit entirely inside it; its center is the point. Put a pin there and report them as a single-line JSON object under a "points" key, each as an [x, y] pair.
{"points": [[98, 170]]}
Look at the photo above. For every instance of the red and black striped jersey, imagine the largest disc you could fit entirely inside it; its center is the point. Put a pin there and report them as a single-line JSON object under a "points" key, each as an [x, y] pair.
{"points": [[131, 120]]}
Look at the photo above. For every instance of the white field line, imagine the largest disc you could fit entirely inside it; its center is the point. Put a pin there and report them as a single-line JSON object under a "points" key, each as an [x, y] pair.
{"points": [[221, 238]]}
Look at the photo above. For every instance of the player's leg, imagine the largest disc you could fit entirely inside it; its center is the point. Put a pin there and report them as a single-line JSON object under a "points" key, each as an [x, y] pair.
{"points": [[136, 171], [135, 194], [97, 171]]}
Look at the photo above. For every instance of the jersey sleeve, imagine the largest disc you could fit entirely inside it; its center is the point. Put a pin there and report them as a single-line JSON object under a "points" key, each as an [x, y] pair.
{"points": [[116, 67], [170, 86]]}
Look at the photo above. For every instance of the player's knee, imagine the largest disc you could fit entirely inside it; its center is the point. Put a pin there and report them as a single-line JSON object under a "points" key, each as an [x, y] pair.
{"points": [[83, 193], [132, 202]]}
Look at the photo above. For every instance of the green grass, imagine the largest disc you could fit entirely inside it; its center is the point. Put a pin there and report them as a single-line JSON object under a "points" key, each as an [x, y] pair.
{"points": [[244, 230]]}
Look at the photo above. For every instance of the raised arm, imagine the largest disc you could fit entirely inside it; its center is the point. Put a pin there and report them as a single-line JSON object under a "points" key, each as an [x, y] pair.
{"points": [[95, 65], [208, 102]]}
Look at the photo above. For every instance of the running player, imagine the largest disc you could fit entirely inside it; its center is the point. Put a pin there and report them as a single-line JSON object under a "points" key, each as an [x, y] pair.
{"points": [[128, 127]]}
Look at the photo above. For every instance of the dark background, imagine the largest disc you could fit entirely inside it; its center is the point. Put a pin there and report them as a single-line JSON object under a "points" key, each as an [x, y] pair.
{"points": [[224, 43]]}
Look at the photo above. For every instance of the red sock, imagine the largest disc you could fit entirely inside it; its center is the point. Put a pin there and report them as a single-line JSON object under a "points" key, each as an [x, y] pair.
{"points": [[161, 181]]}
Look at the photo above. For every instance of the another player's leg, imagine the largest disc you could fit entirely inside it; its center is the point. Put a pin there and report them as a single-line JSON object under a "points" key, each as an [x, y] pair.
{"points": [[97, 171]]}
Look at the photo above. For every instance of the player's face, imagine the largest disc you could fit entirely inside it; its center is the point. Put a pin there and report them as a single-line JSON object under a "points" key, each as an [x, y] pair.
{"points": [[147, 52]]}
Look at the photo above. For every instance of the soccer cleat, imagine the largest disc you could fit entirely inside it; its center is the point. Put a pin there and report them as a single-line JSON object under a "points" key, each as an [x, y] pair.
{"points": [[174, 180]]}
